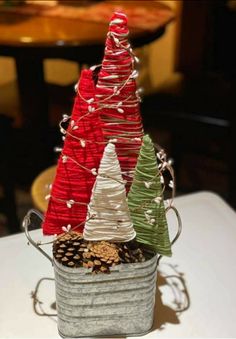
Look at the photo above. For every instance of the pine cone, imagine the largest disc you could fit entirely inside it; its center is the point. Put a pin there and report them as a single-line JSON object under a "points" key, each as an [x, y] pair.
{"points": [[105, 254], [66, 249], [130, 252]]}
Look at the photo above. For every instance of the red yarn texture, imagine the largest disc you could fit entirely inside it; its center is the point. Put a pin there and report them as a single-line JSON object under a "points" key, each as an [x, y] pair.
{"points": [[125, 125], [72, 181]]}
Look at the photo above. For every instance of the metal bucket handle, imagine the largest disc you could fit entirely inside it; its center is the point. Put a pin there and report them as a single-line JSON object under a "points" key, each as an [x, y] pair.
{"points": [[179, 227], [27, 222]]}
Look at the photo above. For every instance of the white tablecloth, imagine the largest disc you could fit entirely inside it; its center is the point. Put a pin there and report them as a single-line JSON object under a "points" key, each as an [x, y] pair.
{"points": [[196, 287]]}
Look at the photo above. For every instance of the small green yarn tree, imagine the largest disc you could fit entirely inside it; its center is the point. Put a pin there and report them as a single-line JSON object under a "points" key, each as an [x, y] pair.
{"points": [[145, 201]]}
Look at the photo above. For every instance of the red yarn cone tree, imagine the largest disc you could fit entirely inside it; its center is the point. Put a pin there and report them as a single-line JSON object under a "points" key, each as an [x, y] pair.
{"points": [[118, 98], [78, 163]]}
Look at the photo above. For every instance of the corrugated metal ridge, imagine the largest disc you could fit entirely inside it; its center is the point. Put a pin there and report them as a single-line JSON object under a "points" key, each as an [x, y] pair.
{"points": [[79, 295], [106, 317], [146, 277], [120, 302], [147, 271]]}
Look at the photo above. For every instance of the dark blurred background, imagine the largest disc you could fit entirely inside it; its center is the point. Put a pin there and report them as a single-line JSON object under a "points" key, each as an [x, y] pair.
{"points": [[189, 106]]}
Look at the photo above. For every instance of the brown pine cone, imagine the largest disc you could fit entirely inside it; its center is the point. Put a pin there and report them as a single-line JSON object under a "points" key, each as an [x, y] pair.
{"points": [[130, 252], [105, 254], [65, 249]]}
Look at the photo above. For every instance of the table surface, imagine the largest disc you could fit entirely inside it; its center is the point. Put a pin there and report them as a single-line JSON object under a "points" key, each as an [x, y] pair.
{"points": [[33, 30], [196, 287]]}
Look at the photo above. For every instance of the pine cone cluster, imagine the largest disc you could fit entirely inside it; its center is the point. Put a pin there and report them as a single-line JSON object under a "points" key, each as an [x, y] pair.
{"points": [[70, 249]]}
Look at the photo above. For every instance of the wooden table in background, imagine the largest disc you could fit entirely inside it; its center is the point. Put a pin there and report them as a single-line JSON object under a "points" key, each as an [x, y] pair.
{"points": [[31, 39]]}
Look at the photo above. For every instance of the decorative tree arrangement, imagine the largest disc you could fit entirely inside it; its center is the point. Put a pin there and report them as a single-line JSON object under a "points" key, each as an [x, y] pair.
{"points": [[88, 204], [108, 224], [98, 228], [149, 217], [118, 98]]}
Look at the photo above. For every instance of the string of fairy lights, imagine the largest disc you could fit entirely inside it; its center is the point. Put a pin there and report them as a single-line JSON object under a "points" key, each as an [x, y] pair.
{"points": [[99, 104]]}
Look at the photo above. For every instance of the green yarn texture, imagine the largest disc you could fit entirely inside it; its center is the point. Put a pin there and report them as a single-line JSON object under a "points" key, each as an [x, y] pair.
{"points": [[148, 216]]}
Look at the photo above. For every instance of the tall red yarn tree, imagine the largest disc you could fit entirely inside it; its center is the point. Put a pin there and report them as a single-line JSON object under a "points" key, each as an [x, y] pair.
{"points": [[117, 95], [78, 162]]}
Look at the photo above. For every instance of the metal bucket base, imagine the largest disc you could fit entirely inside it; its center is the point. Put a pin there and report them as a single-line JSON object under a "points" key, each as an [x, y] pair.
{"points": [[109, 335], [115, 304], [114, 335]]}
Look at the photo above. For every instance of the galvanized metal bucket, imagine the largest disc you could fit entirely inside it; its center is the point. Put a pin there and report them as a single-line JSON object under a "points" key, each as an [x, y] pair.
{"points": [[120, 303]]}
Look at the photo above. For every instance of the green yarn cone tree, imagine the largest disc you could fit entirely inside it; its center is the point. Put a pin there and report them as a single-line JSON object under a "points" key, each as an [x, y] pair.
{"points": [[146, 204]]}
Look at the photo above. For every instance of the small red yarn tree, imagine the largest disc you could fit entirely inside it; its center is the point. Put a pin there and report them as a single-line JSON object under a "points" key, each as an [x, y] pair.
{"points": [[117, 96], [78, 163]]}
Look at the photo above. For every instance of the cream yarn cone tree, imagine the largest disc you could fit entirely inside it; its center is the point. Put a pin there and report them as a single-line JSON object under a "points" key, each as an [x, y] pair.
{"points": [[145, 200], [108, 213]]}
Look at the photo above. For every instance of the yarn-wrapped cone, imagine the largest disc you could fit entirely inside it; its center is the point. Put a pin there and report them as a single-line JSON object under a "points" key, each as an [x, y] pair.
{"points": [[146, 204], [123, 123], [108, 214], [82, 152]]}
